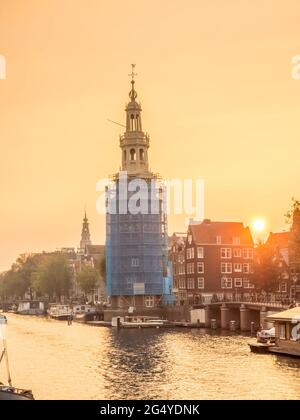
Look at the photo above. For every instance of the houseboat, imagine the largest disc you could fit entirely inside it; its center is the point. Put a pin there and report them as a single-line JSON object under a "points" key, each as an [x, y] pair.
{"points": [[137, 322], [9, 392], [30, 307], [287, 332], [60, 312]]}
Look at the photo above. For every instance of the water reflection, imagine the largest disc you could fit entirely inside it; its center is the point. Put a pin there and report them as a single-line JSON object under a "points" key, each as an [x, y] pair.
{"points": [[82, 362]]}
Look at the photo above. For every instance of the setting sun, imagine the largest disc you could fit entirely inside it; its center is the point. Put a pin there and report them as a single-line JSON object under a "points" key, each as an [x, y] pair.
{"points": [[259, 225]]}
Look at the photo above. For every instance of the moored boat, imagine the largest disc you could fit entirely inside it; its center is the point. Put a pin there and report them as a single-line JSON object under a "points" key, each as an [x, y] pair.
{"points": [[287, 332], [85, 313], [137, 322], [9, 392], [60, 312]]}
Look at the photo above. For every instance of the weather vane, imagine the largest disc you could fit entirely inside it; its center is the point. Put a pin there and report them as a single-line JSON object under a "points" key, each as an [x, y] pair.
{"points": [[132, 74]]}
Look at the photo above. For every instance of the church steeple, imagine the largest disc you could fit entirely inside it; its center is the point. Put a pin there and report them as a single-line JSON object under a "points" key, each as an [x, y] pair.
{"points": [[85, 233], [134, 143]]}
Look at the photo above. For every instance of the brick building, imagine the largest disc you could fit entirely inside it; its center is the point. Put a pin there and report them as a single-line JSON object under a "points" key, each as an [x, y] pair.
{"points": [[218, 262], [177, 256]]}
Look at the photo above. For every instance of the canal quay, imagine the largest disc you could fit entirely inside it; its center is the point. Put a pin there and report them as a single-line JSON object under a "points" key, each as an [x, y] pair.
{"points": [[58, 361]]}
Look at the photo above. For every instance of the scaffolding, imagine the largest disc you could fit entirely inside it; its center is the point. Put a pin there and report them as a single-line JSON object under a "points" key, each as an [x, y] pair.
{"points": [[137, 244]]}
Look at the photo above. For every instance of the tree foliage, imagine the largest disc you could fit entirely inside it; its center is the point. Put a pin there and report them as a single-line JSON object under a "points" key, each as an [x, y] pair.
{"points": [[43, 274], [87, 279], [267, 269], [53, 277]]}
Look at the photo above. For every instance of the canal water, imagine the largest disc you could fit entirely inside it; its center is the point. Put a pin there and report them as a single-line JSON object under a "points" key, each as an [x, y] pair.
{"points": [[58, 361]]}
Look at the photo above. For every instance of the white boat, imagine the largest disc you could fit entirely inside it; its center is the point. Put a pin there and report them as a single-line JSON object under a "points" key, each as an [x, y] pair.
{"points": [[60, 312], [84, 313], [136, 321], [265, 336]]}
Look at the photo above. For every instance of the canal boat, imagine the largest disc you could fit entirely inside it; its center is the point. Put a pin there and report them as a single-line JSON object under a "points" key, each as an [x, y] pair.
{"points": [[9, 392], [85, 313], [287, 332], [60, 312], [136, 321], [266, 336]]}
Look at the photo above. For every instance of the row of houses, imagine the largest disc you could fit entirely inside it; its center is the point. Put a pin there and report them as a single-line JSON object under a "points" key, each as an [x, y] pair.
{"points": [[218, 260]]}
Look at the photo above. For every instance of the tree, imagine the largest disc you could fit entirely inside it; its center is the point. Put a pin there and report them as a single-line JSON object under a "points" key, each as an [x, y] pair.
{"points": [[53, 276], [17, 281], [87, 279], [267, 269]]}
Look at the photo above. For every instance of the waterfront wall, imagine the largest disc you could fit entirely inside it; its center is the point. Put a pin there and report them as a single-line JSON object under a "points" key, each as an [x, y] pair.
{"points": [[246, 318], [171, 313]]}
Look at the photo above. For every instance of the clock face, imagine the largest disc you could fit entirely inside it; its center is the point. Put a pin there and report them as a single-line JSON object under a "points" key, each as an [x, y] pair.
{"points": [[190, 239]]}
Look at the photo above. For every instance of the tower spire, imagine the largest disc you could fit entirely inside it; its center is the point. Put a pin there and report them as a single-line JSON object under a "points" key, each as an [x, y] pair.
{"points": [[85, 233], [132, 93], [134, 143]]}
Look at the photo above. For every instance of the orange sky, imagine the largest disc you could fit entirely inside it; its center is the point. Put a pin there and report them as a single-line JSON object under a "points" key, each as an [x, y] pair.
{"points": [[218, 102]]}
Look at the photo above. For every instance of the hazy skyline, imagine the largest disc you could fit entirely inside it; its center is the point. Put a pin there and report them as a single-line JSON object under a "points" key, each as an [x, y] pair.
{"points": [[218, 99]]}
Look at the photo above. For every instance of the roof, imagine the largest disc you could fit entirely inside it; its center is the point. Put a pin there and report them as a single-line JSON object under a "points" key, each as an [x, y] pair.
{"points": [[207, 232], [278, 240], [95, 249], [292, 314]]}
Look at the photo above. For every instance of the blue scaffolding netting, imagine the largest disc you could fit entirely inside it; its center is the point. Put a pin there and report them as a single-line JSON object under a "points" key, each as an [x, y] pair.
{"points": [[137, 246]]}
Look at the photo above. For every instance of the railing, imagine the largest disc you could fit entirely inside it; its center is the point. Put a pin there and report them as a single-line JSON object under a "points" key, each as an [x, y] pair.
{"points": [[256, 300]]}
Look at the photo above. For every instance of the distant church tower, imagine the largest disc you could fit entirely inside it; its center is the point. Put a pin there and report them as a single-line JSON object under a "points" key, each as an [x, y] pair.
{"points": [[136, 243], [85, 234]]}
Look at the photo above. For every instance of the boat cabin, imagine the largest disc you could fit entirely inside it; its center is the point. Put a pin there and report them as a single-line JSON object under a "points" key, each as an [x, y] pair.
{"points": [[287, 331], [31, 307]]}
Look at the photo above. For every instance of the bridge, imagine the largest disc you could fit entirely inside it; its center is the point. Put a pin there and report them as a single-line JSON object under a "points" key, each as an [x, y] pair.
{"points": [[246, 314]]}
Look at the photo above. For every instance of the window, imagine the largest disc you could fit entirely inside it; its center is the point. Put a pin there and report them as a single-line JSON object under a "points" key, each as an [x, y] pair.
{"points": [[129, 284], [181, 258], [238, 282], [200, 252], [282, 332], [189, 253], [149, 301], [219, 240], [190, 284], [181, 269], [132, 154], [135, 262], [237, 252], [246, 268], [226, 268], [200, 267], [200, 281], [283, 287], [124, 154], [225, 252], [248, 253], [238, 268], [226, 283], [142, 155], [246, 283], [190, 268], [236, 240], [182, 283]]}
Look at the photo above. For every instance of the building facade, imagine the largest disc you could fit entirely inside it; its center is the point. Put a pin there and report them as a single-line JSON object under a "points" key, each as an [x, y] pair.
{"points": [[294, 254], [218, 263], [177, 257], [136, 223]]}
